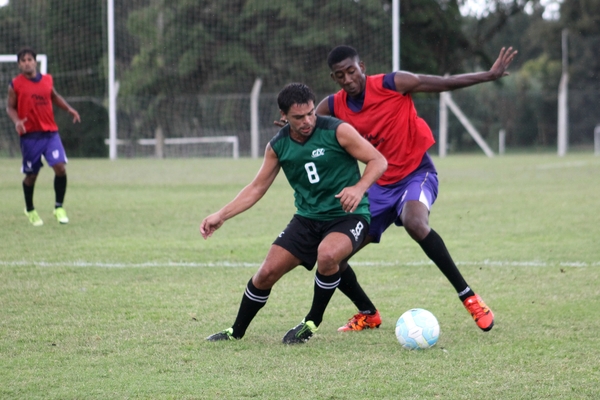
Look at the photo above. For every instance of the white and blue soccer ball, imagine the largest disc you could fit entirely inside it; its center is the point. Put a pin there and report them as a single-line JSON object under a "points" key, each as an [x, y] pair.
{"points": [[417, 329]]}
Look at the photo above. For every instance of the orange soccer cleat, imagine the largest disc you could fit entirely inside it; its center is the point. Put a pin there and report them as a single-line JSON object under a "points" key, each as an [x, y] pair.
{"points": [[481, 313], [362, 321]]}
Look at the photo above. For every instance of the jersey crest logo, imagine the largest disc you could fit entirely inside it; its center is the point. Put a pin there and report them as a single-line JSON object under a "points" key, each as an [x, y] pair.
{"points": [[318, 153], [39, 100]]}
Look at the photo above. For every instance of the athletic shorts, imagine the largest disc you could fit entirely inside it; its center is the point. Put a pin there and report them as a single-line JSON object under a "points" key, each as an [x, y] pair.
{"points": [[36, 144], [386, 202], [303, 236]]}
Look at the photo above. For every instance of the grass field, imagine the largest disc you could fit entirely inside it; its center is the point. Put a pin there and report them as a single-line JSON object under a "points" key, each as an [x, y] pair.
{"points": [[117, 304]]}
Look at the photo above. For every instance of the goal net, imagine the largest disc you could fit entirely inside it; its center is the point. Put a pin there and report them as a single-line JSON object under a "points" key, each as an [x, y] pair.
{"points": [[185, 69]]}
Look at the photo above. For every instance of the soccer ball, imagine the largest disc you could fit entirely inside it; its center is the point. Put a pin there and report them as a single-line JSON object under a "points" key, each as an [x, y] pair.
{"points": [[417, 329]]}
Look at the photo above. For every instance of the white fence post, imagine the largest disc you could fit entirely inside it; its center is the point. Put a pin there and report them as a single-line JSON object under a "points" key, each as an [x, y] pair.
{"points": [[395, 35], [254, 131], [443, 136], [501, 141], [597, 140], [563, 100], [112, 84], [159, 145]]}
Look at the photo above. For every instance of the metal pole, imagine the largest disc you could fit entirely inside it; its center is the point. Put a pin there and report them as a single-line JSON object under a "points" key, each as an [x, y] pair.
{"points": [[254, 96], [395, 35], [501, 141], [443, 134], [112, 96], [42, 60], [597, 140], [563, 94]]}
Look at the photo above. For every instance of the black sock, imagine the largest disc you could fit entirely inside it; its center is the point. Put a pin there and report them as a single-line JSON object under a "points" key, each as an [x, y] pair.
{"points": [[253, 300], [28, 192], [436, 250], [60, 188], [324, 289], [351, 288]]}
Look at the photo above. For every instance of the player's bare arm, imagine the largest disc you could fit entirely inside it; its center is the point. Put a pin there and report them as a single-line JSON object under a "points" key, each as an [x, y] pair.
{"points": [[323, 107], [62, 103], [407, 82], [11, 110], [247, 197], [359, 148]]}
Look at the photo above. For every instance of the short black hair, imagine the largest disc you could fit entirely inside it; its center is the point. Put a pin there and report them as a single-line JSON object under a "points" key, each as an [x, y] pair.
{"points": [[294, 93], [340, 53], [26, 50]]}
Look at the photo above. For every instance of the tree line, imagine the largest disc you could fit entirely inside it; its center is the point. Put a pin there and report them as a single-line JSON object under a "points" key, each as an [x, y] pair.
{"points": [[189, 47]]}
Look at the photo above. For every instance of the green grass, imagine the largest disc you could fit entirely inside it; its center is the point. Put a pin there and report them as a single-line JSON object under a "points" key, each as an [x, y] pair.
{"points": [[117, 303]]}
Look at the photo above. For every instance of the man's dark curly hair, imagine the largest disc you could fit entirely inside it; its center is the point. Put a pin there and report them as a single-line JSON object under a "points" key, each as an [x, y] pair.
{"points": [[294, 93], [340, 53], [25, 50]]}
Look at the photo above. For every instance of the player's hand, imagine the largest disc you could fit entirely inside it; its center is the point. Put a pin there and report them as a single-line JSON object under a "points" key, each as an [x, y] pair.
{"points": [[20, 126], [211, 224], [350, 198], [502, 62], [281, 123], [74, 114]]}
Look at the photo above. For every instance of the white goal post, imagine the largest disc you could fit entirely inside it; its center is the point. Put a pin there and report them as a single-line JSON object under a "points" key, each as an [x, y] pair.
{"points": [[41, 59]]}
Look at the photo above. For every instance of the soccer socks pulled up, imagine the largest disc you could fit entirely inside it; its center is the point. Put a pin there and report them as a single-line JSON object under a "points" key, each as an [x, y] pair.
{"points": [[253, 300], [351, 288], [436, 250], [324, 289], [60, 188], [28, 193]]}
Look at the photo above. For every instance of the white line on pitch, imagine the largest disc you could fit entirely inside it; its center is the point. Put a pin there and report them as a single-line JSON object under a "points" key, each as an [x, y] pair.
{"points": [[248, 264]]}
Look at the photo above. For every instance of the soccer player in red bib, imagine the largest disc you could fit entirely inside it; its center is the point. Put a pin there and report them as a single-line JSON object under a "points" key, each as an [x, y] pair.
{"points": [[29, 106], [381, 108]]}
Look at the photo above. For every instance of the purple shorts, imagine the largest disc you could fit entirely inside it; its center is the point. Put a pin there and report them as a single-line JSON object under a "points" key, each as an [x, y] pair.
{"points": [[36, 144], [386, 202]]}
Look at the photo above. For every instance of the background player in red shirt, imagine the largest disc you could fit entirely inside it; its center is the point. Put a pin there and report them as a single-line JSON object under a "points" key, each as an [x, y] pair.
{"points": [[29, 106], [380, 107]]}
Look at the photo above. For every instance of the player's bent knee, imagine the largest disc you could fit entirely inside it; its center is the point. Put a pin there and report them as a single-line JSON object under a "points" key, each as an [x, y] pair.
{"points": [[30, 179], [59, 169], [328, 263], [417, 229], [266, 278], [332, 256]]}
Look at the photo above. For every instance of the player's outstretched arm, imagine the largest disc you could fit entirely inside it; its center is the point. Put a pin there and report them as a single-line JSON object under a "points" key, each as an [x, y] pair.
{"points": [[407, 82], [247, 197], [359, 148], [62, 103]]}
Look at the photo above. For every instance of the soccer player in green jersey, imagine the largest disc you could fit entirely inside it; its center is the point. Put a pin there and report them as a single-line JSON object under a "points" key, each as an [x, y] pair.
{"points": [[318, 156]]}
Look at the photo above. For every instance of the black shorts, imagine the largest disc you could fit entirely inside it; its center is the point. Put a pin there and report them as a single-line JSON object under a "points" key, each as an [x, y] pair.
{"points": [[303, 235]]}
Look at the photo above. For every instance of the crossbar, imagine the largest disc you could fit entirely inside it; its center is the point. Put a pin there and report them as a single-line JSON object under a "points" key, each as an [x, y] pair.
{"points": [[187, 140]]}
